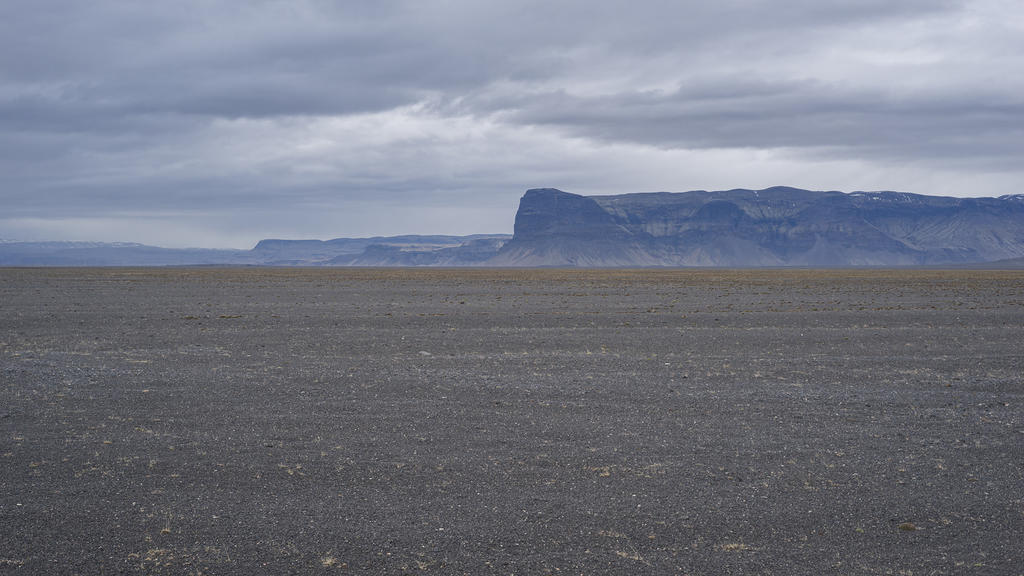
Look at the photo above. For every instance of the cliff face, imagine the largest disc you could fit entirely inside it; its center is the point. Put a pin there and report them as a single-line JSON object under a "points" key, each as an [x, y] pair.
{"points": [[772, 227], [555, 228]]}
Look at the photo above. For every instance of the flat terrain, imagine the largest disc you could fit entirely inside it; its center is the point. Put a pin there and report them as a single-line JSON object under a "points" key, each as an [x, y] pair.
{"points": [[248, 421]]}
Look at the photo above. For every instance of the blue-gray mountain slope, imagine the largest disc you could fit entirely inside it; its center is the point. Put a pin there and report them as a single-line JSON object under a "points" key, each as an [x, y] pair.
{"points": [[772, 227]]}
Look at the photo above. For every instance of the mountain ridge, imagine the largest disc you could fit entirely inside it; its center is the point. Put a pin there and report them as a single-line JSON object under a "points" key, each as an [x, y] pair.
{"points": [[405, 250], [776, 226]]}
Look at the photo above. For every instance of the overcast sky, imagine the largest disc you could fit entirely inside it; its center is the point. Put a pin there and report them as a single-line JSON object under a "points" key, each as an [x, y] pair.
{"points": [[206, 123]]}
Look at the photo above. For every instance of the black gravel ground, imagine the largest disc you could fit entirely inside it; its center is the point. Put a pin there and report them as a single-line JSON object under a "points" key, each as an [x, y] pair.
{"points": [[251, 421]]}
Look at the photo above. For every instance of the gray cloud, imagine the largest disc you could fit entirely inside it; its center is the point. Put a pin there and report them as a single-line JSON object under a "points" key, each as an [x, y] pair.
{"points": [[204, 111], [277, 58], [974, 126]]}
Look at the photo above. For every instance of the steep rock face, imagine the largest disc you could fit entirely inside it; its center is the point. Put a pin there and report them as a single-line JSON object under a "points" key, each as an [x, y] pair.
{"points": [[770, 227], [547, 212], [561, 229]]}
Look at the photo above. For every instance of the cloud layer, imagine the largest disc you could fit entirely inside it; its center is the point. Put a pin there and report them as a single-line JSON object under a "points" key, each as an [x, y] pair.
{"points": [[218, 123]]}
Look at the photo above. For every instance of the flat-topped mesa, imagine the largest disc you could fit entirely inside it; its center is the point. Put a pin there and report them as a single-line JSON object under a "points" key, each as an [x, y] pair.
{"points": [[546, 212], [556, 228], [779, 226]]}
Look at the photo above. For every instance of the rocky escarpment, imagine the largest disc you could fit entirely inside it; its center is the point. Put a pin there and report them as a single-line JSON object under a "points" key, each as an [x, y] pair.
{"points": [[772, 227]]}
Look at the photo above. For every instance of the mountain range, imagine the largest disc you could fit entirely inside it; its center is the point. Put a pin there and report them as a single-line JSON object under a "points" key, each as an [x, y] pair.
{"points": [[377, 251], [777, 226]]}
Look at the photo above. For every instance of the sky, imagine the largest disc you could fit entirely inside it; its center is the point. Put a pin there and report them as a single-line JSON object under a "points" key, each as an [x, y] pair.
{"points": [[212, 123]]}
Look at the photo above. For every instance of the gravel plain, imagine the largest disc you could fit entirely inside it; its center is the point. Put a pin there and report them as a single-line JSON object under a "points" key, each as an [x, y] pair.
{"points": [[391, 421]]}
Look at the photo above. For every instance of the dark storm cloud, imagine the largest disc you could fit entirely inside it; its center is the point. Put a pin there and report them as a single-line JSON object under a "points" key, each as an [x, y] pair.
{"points": [[202, 107]]}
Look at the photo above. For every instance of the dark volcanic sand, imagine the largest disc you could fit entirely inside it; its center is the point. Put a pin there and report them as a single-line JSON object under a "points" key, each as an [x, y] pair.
{"points": [[253, 421]]}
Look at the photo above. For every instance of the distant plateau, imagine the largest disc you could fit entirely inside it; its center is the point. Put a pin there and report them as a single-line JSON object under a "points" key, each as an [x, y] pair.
{"points": [[777, 226]]}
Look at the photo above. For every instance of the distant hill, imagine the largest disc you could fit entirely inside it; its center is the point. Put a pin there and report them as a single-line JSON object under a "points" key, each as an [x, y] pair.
{"points": [[112, 254], [376, 251], [772, 227], [731, 228], [382, 251]]}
